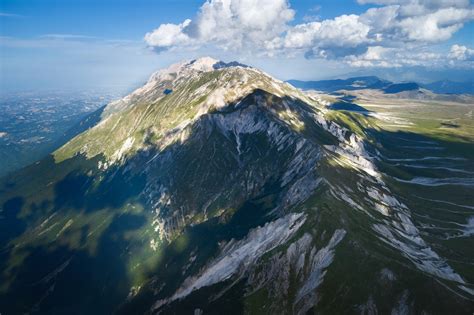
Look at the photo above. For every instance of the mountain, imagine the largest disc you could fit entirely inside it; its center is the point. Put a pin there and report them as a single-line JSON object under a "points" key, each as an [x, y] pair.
{"points": [[216, 188], [400, 87], [451, 87], [372, 82], [356, 83]]}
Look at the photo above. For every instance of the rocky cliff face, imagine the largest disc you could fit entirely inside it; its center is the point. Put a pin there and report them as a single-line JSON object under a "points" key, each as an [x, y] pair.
{"points": [[217, 188]]}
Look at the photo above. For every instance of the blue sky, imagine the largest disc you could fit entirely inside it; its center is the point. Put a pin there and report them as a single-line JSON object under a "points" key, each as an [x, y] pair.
{"points": [[75, 44]]}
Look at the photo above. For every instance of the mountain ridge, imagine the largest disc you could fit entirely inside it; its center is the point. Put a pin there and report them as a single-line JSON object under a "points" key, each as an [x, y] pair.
{"points": [[233, 192], [373, 82]]}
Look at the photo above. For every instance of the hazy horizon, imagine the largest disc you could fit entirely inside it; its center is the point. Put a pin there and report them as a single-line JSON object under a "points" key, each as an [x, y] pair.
{"points": [[48, 45]]}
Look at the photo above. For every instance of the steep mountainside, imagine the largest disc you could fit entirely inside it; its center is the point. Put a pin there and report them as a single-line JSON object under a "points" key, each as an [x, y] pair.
{"points": [[216, 189]]}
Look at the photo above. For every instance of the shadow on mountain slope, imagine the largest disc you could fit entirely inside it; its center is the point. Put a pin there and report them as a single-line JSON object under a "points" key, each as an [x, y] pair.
{"points": [[10, 225], [80, 191], [60, 280], [348, 106], [70, 220], [61, 235], [80, 236]]}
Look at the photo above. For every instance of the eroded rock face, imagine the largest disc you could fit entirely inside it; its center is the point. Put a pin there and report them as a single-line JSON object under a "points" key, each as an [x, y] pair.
{"points": [[237, 258], [243, 151], [304, 266]]}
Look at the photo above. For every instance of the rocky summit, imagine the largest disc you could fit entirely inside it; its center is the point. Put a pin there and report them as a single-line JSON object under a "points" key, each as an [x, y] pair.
{"points": [[215, 189]]}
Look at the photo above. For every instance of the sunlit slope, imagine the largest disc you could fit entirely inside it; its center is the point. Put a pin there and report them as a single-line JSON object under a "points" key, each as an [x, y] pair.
{"points": [[171, 100]]}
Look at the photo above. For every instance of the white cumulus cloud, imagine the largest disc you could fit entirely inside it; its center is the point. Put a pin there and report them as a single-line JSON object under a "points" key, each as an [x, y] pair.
{"points": [[391, 33], [228, 24], [459, 52], [330, 38], [435, 26], [383, 57], [168, 36]]}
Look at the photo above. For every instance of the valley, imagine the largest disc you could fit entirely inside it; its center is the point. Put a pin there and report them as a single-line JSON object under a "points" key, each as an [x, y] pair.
{"points": [[35, 123]]}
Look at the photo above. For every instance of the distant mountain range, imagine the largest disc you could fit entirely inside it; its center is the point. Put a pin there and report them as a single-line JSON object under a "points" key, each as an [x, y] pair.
{"points": [[373, 82], [450, 87]]}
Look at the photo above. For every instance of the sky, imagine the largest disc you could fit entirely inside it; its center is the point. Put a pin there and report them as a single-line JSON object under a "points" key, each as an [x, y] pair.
{"points": [[82, 44]]}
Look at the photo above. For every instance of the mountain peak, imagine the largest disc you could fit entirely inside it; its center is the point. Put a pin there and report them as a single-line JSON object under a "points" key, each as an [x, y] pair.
{"points": [[209, 64], [176, 97], [202, 64]]}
